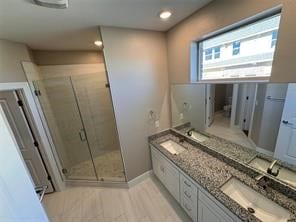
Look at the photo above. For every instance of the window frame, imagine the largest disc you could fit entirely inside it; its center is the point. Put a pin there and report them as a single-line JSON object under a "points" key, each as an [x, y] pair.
{"points": [[236, 48], [217, 52], [274, 38], [198, 55], [210, 50]]}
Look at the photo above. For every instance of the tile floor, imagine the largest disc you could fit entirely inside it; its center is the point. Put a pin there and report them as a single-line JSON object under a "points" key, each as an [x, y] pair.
{"points": [[221, 128], [108, 166], [147, 201]]}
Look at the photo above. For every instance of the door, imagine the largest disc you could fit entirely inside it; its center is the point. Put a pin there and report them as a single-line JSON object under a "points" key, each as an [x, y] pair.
{"points": [[63, 116], [249, 90], [18, 199], [286, 140], [25, 139], [95, 105], [210, 104]]}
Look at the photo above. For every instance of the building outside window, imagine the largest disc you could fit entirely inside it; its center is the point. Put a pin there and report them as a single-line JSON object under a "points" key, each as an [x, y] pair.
{"points": [[244, 52], [236, 48], [208, 54], [217, 52], [273, 38]]}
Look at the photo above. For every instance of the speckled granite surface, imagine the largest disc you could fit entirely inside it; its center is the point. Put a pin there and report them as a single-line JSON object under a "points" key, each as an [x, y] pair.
{"points": [[239, 153], [226, 147], [212, 171]]}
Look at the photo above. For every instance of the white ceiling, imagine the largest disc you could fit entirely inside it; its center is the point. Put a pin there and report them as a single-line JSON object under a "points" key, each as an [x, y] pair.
{"points": [[75, 28]]}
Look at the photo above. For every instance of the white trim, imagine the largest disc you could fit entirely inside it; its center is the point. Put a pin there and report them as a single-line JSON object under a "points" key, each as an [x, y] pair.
{"points": [[233, 105], [77, 183], [236, 80], [253, 111], [264, 151], [24, 86], [139, 179]]}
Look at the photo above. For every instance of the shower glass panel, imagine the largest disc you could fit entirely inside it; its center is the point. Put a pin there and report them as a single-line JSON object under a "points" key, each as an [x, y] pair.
{"points": [[96, 108], [59, 105]]}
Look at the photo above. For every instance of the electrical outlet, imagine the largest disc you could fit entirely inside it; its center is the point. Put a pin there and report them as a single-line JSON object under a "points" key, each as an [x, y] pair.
{"points": [[181, 116], [156, 123]]}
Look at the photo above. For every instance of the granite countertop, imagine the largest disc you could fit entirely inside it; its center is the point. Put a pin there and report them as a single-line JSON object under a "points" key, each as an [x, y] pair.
{"points": [[236, 151], [226, 147], [212, 173]]}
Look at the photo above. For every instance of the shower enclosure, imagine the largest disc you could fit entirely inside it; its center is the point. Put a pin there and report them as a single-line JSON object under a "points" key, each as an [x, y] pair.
{"points": [[79, 114]]}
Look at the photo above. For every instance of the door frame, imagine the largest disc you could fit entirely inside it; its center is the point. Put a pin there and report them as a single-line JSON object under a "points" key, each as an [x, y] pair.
{"points": [[210, 106], [45, 149], [280, 153]]}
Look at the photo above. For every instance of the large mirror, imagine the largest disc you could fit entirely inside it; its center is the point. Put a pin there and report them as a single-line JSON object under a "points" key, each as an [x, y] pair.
{"points": [[260, 117]]}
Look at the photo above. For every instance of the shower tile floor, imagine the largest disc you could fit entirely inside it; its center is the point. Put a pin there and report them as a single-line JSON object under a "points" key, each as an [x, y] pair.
{"points": [[108, 166]]}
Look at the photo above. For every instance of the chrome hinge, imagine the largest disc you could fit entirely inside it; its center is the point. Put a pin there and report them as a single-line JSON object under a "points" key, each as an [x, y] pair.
{"points": [[20, 103], [37, 92]]}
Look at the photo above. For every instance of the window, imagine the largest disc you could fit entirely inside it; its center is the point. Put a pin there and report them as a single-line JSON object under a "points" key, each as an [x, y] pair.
{"points": [[273, 38], [236, 48], [217, 52], [243, 52], [208, 54]]}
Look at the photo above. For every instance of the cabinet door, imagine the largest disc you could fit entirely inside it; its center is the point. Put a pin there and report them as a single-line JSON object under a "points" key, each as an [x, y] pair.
{"points": [[158, 166], [208, 210], [172, 177], [205, 214]]}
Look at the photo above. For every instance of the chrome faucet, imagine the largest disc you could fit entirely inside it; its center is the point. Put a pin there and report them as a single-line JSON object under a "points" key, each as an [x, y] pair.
{"points": [[269, 169], [189, 132], [261, 181], [259, 177]]}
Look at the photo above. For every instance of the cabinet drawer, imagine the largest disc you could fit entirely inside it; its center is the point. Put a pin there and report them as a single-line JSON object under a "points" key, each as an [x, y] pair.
{"points": [[188, 186], [188, 196], [190, 208]]}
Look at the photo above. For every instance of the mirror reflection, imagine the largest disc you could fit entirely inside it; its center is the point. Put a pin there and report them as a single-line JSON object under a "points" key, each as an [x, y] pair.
{"points": [[258, 116]]}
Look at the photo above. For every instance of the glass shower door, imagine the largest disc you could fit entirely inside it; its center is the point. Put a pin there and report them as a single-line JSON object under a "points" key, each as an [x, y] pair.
{"points": [[59, 104], [96, 107]]}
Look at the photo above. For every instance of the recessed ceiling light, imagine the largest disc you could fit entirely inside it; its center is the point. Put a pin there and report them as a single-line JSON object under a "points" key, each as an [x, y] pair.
{"points": [[165, 15], [98, 43]]}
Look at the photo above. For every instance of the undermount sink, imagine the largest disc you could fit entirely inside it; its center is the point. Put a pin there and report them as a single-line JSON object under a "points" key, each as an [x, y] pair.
{"points": [[173, 147], [260, 206], [198, 136], [284, 174]]}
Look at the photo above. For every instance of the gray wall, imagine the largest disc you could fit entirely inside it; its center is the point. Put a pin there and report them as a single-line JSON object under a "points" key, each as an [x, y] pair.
{"points": [[194, 112], [11, 56], [137, 67], [267, 115], [220, 96], [221, 13], [45, 57]]}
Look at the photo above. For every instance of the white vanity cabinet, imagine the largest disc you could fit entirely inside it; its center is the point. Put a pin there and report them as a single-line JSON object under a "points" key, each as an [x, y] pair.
{"points": [[166, 172], [208, 210], [195, 201]]}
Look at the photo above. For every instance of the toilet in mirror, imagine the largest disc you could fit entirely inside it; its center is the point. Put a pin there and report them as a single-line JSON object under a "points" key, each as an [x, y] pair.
{"points": [[259, 117]]}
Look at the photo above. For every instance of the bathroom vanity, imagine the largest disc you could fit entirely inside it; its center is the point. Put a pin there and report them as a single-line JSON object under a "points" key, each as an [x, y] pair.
{"points": [[212, 186]]}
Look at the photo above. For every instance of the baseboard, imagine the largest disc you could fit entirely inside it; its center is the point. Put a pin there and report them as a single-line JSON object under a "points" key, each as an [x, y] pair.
{"points": [[140, 178], [264, 151], [75, 183]]}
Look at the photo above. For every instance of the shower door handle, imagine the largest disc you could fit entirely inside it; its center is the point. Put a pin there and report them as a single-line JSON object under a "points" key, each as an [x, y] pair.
{"points": [[82, 135]]}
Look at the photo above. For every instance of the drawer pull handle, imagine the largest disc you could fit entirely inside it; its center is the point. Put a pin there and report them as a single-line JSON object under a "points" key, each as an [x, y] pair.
{"points": [[187, 208], [186, 183], [187, 195]]}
